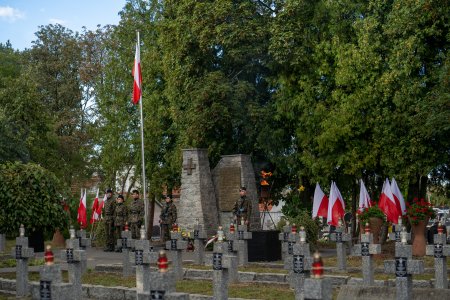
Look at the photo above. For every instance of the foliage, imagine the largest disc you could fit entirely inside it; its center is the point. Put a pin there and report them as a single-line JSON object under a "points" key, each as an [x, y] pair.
{"points": [[312, 226], [373, 211], [29, 196], [419, 210]]}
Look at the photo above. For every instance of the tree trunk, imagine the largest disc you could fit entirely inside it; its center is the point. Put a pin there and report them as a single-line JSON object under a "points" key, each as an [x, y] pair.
{"points": [[417, 187]]}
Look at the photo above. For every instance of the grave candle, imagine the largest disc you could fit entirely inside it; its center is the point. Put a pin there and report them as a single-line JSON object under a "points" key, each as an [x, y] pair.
{"points": [[317, 266], [22, 231], [302, 234], [48, 255]]}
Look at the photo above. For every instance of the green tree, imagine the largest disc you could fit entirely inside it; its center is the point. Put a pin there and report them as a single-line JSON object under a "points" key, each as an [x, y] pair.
{"points": [[29, 196]]}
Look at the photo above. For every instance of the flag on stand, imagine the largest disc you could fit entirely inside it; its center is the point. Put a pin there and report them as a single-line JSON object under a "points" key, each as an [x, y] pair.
{"points": [[387, 203], [137, 84], [82, 212], [100, 205], [364, 198], [398, 197], [320, 205], [336, 207], [95, 216]]}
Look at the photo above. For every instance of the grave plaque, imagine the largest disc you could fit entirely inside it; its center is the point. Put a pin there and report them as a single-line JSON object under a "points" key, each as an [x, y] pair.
{"points": [[397, 236], [18, 251], [154, 295], [196, 234], [124, 243], [290, 248], [438, 251], [217, 261], [69, 256], [229, 180], [400, 267], [44, 290], [138, 257], [230, 245], [298, 264], [365, 249], [285, 236], [338, 237], [173, 244]]}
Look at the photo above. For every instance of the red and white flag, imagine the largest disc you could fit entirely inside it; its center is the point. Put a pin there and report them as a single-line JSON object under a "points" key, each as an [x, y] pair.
{"points": [[101, 203], [387, 203], [336, 207], [398, 197], [82, 212], [95, 216], [320, 205], [137, 83], [364, 198]]}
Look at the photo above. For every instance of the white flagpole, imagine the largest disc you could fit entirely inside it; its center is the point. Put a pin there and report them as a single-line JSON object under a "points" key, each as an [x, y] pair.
{"points": [[144, 187]]}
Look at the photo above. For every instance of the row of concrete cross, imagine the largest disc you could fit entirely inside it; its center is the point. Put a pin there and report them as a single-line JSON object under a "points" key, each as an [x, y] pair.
{"points": [[297, 259]]}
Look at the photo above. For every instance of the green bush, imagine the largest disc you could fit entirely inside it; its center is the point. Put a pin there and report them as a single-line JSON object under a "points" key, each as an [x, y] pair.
{"points": [[312, 226], [99, 230], [29, 196]]}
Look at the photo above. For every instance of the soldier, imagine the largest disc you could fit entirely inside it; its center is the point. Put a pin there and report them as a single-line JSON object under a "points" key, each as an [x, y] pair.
{"points": [[136, 215], [242, 209], [108, 210], [120, 218], [167, 218]]}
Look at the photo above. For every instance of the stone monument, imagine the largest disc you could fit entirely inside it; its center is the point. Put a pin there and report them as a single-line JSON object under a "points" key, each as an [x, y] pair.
{"points": [[197, 197], [230, 173]]}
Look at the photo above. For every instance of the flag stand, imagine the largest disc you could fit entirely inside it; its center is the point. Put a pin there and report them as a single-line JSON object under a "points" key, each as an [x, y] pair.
{"points": [[138, 69]]}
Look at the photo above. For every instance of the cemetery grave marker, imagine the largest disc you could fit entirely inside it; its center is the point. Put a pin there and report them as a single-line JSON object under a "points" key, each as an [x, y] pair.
{"points": [[366, 249], [403, 267], [440, 250], [126, 243], [176, 245], [142, 257], [340, 237], [21, 252]]}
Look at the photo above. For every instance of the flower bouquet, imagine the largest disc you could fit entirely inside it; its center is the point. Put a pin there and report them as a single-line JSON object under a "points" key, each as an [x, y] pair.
{"points": [[373, 211]]}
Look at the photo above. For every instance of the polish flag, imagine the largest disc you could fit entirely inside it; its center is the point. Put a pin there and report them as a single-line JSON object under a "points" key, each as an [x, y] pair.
{"points": [[101, 203], [137, 83], [364, 198], [82, 213], [320, 205], [95, 216], [387, 203], [336, 208], [399, 201]]}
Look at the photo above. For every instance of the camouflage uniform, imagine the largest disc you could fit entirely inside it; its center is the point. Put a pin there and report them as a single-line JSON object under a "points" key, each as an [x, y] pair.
{"points": [[168, 218], [120, 218], [243, 210], [136, 217], [108, 211]]}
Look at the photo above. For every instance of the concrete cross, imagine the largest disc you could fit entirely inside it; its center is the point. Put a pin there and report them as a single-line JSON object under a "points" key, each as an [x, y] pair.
{"points": [[403, 267], [189, 166], [366, 249], [340, 237], [126, 243], [299, 264], [74, 256], [283, 238], [176, 245], [162, 283], [440, 250], [21, 252], [50, 284], [241, 244], [200, 236], [223, 264], [142, 257], [396, 234]]}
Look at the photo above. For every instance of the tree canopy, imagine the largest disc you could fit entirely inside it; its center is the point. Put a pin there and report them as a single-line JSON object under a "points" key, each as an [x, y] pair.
{"points": [[319, 90]]}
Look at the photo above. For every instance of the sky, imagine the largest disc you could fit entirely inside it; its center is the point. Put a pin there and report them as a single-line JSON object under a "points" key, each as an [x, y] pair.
{"points": [[20, 19]]}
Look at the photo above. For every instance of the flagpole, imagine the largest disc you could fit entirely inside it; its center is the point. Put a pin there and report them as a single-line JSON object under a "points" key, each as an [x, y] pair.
{"points": [[144, 187]]}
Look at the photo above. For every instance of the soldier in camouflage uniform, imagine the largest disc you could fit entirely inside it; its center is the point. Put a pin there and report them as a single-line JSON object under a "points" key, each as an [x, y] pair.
{"points": [[242, 209], [108, 217], [120, 218], [167, 218], [136, 215]]}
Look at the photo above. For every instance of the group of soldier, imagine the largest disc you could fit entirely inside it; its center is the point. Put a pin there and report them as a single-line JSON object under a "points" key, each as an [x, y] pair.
{"points": [[116, 215]]}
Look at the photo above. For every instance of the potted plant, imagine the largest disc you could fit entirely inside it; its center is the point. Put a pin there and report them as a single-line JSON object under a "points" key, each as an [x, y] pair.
{"points": [[375, 217], [419, 212]]}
